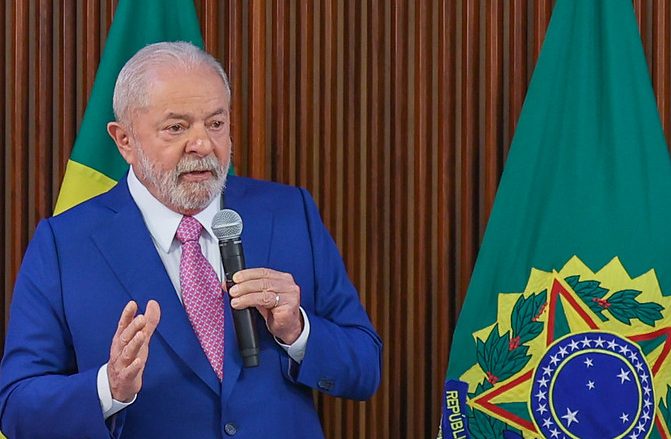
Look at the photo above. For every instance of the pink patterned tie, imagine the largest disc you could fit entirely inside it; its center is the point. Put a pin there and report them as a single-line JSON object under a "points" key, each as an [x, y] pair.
{"points": [[202, 294]]}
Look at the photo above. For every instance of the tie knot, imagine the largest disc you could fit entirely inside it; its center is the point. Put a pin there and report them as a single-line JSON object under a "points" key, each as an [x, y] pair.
{"points": [[189, 229]]}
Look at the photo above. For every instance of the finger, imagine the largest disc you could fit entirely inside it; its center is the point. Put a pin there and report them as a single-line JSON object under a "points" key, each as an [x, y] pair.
{"points": [[265, 299], [280, 286], [254, 286], [260, 273], [143, 352], [126, 318], [132, 350], [153, 316], [137, 325], [120, 341]]}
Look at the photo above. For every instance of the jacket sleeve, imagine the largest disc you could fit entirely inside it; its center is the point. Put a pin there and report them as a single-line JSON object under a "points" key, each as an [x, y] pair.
{"points": [[42, 392], [343, 352]]}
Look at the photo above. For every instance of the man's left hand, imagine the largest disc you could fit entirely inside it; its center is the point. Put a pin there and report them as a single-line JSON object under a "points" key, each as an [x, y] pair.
{"points": [[275, 295]]}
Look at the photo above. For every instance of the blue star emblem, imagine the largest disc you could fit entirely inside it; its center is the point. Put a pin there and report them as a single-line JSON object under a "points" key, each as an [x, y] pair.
{"points": [[599, 389]]}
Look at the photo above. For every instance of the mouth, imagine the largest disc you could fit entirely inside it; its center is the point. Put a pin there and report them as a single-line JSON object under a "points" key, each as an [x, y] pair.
{"points": [[196, 176]]}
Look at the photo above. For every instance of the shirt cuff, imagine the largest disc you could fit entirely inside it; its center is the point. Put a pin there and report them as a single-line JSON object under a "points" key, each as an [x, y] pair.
{"points": [[108, 404], [296, 350]]}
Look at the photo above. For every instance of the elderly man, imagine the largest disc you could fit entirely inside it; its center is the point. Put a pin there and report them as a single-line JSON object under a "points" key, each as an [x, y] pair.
{"points": [[119, 324]]}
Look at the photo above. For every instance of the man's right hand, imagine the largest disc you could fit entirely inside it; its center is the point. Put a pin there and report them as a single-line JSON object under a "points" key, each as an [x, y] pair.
{"points": [[130, 348]]}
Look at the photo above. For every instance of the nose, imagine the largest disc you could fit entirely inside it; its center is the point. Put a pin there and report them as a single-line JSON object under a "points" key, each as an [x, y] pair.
{"points": [[199, 142]]}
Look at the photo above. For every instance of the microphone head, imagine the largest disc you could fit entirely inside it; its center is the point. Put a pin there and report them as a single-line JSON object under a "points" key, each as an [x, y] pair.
{"points": [[227, 224]]}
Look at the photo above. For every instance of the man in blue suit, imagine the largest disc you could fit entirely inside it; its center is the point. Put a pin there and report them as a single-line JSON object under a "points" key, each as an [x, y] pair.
{"points": [[119, 325]]}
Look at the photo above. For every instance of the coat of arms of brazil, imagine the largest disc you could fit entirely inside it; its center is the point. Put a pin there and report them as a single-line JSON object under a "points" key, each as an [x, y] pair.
{"points": [[578, 354]]}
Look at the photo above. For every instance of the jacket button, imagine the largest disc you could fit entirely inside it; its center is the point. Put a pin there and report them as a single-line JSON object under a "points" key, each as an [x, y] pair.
{"points": [[230, 429], [325, 384]]}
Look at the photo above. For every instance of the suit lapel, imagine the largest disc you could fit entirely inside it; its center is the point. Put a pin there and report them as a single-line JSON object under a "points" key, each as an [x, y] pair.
{"points": [[129, 250], [257, 223], [256, 238]]}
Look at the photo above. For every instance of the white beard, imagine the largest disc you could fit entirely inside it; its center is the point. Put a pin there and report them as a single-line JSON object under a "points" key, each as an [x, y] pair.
{"points": [[184, 195]]}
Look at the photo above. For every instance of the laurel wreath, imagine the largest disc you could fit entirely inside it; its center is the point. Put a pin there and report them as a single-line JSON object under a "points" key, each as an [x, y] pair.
{"points": [[501, 356], [621, 305], [665, 408]]}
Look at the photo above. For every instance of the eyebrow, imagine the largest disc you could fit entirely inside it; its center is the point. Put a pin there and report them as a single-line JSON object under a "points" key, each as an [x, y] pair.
{"points": [[217, 112], [172, 115]]}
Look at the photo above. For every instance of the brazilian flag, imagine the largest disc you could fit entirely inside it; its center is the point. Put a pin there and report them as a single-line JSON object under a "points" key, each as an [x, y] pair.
{"points": [[566, 327], [95, 164]]}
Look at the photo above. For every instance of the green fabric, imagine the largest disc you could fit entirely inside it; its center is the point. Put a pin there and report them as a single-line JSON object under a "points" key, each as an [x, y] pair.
{"points": [[588, 175], [136, 24]]}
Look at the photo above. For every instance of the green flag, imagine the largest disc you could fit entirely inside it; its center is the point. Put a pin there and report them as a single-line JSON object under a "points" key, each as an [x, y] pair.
{"points": [[95, 164], [565, 330]]}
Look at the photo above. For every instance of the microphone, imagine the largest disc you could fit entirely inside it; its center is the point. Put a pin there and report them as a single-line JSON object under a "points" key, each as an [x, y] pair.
{"points": [[227, 227]]}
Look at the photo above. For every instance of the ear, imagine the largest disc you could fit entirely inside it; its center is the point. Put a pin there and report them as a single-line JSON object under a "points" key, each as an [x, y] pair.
{"points": [[121, 137]]}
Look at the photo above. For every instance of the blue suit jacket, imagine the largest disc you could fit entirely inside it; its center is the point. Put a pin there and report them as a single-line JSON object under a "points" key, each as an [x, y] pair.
{"points": [[83, 266]]}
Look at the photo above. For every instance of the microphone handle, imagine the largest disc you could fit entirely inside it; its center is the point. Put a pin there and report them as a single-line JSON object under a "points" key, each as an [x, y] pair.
{"points": [[233, 259]]}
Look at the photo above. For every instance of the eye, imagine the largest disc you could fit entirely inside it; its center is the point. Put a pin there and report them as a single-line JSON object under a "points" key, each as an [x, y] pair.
{"points": [[174, 128], [217, 124]]}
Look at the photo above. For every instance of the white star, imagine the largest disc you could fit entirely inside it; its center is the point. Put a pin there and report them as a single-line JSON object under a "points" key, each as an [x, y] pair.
{"points": [[624, 376], [599, 342], [570, 417], [547, 423], [624, 417], [640, 427], [543, 382], [644, 378], [646, 416], [590, 385], [647, 403], [632, 356], [624, 349], [563, 351], [586, 342], [588, 362], [554, 360], [633, 435], [547, 370], [554, 432], [646, 389], [612, 345], [540, 395], [639, 367], [574, 345]]}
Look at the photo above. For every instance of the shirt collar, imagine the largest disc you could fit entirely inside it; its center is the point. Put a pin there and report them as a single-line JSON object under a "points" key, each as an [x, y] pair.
{"points": [[160, 220]]}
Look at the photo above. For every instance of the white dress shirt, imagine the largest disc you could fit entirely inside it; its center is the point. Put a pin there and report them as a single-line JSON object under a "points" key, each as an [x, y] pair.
{"points": [[162, 224]]}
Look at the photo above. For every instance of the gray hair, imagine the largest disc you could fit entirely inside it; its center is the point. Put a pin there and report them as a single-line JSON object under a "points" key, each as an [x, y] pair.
{"points": [[130, 90]]}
